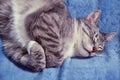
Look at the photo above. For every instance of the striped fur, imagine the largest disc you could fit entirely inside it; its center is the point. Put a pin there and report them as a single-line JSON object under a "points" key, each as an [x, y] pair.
{"points": [[38, 36]]}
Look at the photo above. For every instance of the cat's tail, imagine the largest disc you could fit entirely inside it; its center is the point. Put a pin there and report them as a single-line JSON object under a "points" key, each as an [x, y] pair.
{"points": [[5, 16]]}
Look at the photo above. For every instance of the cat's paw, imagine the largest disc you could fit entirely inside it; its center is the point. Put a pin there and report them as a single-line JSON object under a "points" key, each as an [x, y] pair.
{"points": [[37, 56]]}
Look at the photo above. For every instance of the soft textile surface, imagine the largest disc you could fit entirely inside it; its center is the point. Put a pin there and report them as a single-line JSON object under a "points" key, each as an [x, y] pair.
{"points": [[104, 67]]}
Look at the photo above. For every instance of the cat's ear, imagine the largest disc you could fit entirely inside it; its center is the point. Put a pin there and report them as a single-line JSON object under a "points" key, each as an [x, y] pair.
{"points": [[109, 36], [93, 16]]}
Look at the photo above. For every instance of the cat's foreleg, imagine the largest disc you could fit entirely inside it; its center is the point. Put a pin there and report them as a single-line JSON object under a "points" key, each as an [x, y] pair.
{"points": [[36, 58], [35, 61]]}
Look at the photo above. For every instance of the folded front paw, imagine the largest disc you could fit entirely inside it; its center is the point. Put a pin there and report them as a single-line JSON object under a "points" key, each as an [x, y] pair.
{"points": [[37, 56]]}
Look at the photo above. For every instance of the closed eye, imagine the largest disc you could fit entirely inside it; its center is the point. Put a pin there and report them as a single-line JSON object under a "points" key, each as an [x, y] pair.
{"points": [[96, 35], [95, 38]]}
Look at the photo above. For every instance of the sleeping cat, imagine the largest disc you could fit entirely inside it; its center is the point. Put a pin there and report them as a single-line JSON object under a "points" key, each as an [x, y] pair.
{"points": [[41, 33]]}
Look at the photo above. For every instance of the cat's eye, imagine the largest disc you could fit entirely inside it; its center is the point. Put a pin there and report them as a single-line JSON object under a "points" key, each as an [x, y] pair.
{"points": [[96, 35]]}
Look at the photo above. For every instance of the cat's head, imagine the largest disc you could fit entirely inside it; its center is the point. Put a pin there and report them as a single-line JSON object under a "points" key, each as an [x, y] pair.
{"points": [[93, 40]]}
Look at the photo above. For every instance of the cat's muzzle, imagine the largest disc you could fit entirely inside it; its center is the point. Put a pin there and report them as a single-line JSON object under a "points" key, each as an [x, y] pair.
{"points": [[96, 51]]}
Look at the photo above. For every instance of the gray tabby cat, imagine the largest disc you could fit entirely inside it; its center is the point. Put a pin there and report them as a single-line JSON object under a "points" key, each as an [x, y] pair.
{"points": [[40, 33]]}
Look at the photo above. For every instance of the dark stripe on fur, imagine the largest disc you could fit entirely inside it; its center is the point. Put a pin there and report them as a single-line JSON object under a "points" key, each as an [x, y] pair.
{"points": [[48, 39]]}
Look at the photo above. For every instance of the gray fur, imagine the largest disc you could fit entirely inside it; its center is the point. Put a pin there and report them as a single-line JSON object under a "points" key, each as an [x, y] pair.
{"points": [[47, 34]]}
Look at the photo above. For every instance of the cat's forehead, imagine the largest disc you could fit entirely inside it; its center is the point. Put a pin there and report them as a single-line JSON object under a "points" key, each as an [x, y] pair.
{"points": [[92, 26]]}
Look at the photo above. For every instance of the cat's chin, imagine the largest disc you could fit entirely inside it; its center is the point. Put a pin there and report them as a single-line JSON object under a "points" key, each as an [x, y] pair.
{"points": [[93, 54]]}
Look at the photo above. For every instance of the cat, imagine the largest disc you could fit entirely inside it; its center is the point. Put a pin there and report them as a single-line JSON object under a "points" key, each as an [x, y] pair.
{"points": [[41, 33]]}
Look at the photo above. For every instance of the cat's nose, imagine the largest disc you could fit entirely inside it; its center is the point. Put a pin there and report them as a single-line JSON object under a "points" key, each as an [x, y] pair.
{"points": [[100, 48]]}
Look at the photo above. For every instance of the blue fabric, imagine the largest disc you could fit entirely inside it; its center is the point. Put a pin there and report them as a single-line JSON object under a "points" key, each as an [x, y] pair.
{"points": [[106, 67]]}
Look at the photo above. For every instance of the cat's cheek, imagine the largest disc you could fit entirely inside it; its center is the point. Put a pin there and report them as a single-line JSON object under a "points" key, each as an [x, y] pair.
{"points": [[84, 53], [88, 48], [87, 44]]}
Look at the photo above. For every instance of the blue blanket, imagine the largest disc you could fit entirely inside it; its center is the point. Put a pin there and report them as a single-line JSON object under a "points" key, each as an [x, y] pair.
{"points": [[105, 67]]}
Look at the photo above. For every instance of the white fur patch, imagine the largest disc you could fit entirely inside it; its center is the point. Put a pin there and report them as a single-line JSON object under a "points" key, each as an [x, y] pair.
{"points": [[30, 45], [19, 31], [69, 51], [70, 46]]}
